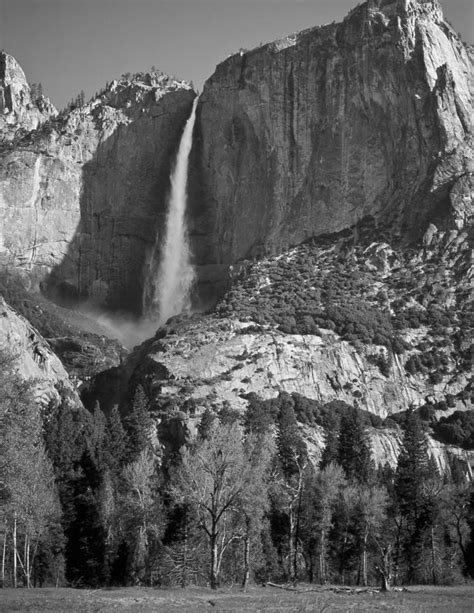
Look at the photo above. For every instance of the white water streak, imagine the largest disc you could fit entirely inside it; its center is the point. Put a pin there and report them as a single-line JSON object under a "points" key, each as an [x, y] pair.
{"points": [[176, 274]]}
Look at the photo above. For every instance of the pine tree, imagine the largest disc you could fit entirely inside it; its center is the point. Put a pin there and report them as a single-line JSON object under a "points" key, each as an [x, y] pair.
{"points": [[257, 418], [138, 425], [412, 468], [115, 442], [292, 461], [291, 447], [96, 437], [331, 448], [85, 548], [411, 477], [73, 440], [205, 424], [354, 453]]}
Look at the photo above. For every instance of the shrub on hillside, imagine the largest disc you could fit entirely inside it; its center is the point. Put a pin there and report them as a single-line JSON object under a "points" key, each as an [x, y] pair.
{"points": [[456, 429]]}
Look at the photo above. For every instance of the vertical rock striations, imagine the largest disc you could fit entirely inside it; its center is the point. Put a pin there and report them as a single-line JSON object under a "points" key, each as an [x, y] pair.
{"points": [[83, 199], [308, 135]]}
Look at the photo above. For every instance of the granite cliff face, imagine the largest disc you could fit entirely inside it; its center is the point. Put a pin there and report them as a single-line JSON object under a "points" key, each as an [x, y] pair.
{"points": [[83, 199], [33, 357], [20, 112], [370, 119], [297, 138], [308, 135], [300, 322], [209, 363]]}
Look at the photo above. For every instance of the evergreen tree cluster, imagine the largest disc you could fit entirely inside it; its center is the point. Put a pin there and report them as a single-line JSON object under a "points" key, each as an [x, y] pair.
{"points": [[75, 103], [89, 499]]}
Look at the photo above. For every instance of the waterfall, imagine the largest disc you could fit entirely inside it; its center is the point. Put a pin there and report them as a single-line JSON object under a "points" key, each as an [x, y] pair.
{"points": [[171, 284]]}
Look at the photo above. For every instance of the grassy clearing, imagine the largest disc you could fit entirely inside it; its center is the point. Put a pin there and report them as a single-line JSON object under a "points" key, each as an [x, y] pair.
{"points": [[417, 600]]}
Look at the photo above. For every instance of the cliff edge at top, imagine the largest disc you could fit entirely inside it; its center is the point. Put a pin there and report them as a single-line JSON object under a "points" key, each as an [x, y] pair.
{"points": [[312, 133], [19, 108], [83, 197]]}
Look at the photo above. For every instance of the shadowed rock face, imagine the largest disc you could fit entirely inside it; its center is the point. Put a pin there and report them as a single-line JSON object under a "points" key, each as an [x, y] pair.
{"points": [[298, 138], [84, 199], [310, 134]]}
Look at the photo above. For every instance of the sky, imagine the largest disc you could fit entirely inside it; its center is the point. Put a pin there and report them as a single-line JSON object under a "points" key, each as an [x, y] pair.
{"points": [[74, 45]]}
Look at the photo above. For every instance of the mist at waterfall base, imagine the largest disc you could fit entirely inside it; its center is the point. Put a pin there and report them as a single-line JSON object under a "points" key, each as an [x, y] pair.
{"points": [[169, 274]]}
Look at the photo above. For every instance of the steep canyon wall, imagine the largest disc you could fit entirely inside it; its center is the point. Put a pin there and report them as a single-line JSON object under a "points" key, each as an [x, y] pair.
{"points": [[310, 134], [296, 138], [84, 197]]}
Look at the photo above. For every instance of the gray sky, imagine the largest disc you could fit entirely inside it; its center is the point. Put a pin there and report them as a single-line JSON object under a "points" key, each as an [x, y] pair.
{"points": [[69, 45]]}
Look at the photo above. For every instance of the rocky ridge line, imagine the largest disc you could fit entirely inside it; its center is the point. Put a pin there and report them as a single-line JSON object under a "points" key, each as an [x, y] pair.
{"points": [[83, 197]]}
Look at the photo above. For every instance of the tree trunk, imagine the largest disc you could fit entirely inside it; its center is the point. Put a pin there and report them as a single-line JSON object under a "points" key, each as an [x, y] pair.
{"points": [[245, 581], [385, 569], [322, 558], [342, 564], [185, 554], [15, 553], [364, 561], [4, 554], [297, 530], [433, 556], [28, 562], [214, 558], [292, 547], [310, 565], [385, 583]]}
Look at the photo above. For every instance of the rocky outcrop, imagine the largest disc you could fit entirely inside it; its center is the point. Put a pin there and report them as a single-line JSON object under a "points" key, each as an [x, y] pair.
{"points": [[386, 445], [279, 329], [216, 361], [206, 363], [33, 358], [308, 135], [20, 112], [83, 200]]}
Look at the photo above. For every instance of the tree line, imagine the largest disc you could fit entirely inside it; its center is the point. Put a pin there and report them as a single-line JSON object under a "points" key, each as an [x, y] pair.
{"points": [[91, 500]]}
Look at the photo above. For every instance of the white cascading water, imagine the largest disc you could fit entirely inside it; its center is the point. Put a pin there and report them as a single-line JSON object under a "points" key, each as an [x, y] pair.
{"points": [[172, 285]]}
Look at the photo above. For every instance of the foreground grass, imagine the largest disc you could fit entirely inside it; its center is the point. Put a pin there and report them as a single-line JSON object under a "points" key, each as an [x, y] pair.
{"points": [[417, 599]]}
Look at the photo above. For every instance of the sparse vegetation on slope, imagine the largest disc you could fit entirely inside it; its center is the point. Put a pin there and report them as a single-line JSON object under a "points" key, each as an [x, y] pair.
{"points": [[414, 302]]}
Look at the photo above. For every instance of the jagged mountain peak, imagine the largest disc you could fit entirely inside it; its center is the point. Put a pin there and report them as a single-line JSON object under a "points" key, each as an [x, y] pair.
{"points": [[141, 89], [20, 110]]}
